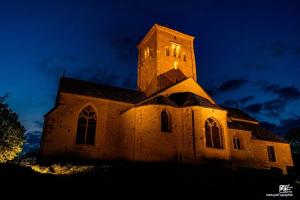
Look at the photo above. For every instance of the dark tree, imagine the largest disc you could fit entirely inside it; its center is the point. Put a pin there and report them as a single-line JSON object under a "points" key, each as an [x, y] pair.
{"points": [[11, 132], [293, 137]]}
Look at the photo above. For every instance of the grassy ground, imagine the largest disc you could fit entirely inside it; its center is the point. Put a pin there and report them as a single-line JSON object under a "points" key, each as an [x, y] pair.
{"points": [[153, 177]]}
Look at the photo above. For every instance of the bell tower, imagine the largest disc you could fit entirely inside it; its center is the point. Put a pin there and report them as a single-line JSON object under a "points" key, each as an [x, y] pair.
{"points": [[165, 57]]}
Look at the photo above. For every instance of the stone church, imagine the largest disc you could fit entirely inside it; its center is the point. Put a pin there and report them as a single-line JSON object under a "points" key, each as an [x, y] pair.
{"points": [[169, 117]]}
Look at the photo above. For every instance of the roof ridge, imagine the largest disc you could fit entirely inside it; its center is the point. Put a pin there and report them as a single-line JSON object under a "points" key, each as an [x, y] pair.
{"points": [[99, 84]]}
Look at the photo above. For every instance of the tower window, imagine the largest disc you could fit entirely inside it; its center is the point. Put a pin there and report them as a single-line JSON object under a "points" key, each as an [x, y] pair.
{"points": [[86, 126], [271, 153], [236, 143], [176, 50], [167, 51], [213, 134], [146, 53], [165, 121]]}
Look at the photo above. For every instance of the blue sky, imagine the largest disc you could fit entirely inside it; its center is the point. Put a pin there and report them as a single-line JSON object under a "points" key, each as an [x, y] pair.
{"points": [[247, 52]]}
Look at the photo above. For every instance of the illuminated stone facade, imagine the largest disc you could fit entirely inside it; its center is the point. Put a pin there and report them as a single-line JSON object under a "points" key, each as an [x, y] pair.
{"points": [[169, 118]]}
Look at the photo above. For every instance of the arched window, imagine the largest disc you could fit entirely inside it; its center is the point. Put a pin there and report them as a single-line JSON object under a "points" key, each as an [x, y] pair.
{"points": [[86, 126], [165, 122], [213, 134]]}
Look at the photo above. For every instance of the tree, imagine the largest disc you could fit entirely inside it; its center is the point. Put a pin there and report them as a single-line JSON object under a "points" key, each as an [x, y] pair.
{"points": [[11, 132], [293, 137]]}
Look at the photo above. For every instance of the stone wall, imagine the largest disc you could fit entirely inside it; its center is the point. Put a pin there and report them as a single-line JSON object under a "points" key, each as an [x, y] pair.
{"points": [[254, 152], [59, 138]]}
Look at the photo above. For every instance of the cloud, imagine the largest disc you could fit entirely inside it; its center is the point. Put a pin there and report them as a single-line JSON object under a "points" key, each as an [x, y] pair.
{"points": [[231, 103], [232, 85], [284, 125], [246, 99], [270, 108], [32, 141], [274, 107], [254, 108], [288, 93]]}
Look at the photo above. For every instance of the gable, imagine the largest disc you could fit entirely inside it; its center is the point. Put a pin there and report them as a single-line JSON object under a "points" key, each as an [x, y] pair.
{"points": [[187, 85]]}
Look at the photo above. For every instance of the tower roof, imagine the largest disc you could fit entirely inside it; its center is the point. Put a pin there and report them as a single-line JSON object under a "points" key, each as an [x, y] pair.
{"points": [[166, 29]]}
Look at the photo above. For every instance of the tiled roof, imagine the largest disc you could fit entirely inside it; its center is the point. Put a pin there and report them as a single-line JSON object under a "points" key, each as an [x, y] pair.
{"points": [[181, 99], [185, 99], [86, 88], [160, 100], [257, 131], [237, 113]]}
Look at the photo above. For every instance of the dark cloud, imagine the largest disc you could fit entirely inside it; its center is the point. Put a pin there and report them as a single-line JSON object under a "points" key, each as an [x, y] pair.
{"points": [[232, 85], [32, 141], [274, 107], [288, 93], [231, 103], [291, 122], [284, 126], [254, 108], [246, 99], [270, 126]]}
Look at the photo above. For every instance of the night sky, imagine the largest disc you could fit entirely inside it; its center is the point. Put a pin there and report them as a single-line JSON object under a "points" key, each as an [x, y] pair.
{"points": [[247, 52]]}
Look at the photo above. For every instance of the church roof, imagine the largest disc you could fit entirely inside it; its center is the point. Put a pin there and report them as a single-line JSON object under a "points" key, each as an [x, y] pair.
{"points": [[238, 114], [86, 88], [185, 99], [181, 99], [160, 100], [257, 131]]}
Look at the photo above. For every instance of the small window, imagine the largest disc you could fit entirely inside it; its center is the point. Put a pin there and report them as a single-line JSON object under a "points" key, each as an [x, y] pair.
{"points": [[271, 154], [146, 53], [236, 143], [167, 51], [165, 122], [184, 57]]}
